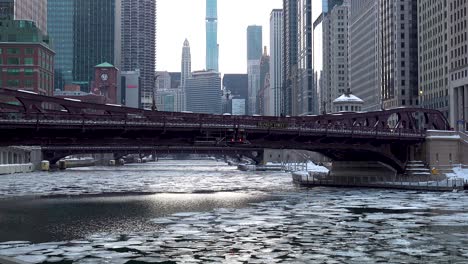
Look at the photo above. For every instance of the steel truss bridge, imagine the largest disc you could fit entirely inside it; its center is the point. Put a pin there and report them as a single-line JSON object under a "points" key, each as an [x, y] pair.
{"points": [[73, 127]]}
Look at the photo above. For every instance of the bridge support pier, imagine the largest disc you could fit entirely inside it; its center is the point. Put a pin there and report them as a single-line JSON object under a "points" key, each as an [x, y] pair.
{"points": [[361, 168]]}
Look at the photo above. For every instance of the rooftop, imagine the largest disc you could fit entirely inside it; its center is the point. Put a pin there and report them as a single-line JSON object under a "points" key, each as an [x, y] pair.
{"points": [[348, 98]]}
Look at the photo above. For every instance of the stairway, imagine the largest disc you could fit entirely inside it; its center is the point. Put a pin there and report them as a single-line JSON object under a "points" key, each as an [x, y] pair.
{"points": [[417, 169]]}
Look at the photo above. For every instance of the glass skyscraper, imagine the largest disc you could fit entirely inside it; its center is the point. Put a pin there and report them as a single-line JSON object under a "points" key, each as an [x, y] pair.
{"points": [[212, 49], [86, 33], [254, 42]]}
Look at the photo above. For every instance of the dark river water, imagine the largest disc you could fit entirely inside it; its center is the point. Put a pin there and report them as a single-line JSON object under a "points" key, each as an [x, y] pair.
{"points": [[208, 212]]}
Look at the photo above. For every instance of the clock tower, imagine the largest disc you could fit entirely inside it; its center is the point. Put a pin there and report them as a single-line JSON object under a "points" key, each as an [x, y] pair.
{"points": [[105, 82]]}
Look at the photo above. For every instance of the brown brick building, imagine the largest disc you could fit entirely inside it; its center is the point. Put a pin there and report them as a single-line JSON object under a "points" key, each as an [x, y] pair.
{"points": [[26, 57]]}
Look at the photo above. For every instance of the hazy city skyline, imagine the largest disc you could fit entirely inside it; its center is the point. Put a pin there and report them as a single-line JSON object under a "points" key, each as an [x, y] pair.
{"points": [[180, 19]]}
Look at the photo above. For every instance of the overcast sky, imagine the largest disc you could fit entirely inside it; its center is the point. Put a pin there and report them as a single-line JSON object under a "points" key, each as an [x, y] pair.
{"points": [[180, 19]]}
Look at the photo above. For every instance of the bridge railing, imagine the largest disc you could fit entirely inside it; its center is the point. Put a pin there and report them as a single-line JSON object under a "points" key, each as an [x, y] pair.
{"points": [[210, 121]]}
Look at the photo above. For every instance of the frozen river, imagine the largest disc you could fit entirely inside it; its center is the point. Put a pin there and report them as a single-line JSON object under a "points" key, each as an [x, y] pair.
{"points": [[208, 212]]}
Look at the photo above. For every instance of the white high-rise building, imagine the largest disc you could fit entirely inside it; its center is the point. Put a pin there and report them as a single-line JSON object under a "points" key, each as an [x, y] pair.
{"points": [[458, 62], [364, 53], [139, 44], [276, 62], [335, 57], [186, 67], [433, 59]]}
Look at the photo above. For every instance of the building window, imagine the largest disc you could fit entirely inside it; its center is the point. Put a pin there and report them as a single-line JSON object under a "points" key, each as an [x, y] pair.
{"points": [[28, 83], [28, 71], [13, 83], [28, 61], [13, 71], [29, 51], [13, 51], [13, 61]]}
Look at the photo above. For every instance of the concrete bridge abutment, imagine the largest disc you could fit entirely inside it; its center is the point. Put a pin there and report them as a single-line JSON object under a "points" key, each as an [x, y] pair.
{"points": [[19, 159], [358, 169], [444, 150]]}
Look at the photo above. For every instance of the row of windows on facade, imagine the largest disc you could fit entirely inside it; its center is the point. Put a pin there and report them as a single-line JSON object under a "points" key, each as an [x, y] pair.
{"points": [[428, 54], [348, 108], [459, 27], [442, 82], [45, 59], [459, 14], [16, 51], [437, 38], [45, 84], [459, 63], [25, 61], [459, 75]]}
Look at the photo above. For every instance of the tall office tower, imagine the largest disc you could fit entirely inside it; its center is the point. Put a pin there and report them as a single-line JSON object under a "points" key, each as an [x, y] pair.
{"points": [[276, 61], [34, 10], [318, 53], [364, 53], [238, 85], [263, 94], [85, 33], [306, 95], [254, 54], [139, 43], [290, 46], [203, 92], [399, 53], [186, 67], [335, 55], [328, 5], [433, 56], [212, 47], [458, 62]]}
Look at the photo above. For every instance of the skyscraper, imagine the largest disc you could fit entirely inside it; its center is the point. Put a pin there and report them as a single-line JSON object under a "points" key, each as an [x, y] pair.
{"points": [[254, 42], [433, 63], [364, 35], [306, 96], [328, 5], [203, 92], [263, 94], [34, 10], [237, 84], [254, 54], [85, 33], [458, 63], [399, 53], [186, 67], [290, 57], [335, 55], [139, 44], [276, 61], [212, 48]]}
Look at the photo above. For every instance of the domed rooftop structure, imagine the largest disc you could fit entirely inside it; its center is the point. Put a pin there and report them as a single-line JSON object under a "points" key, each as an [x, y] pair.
{"points": [[347, 103]]}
